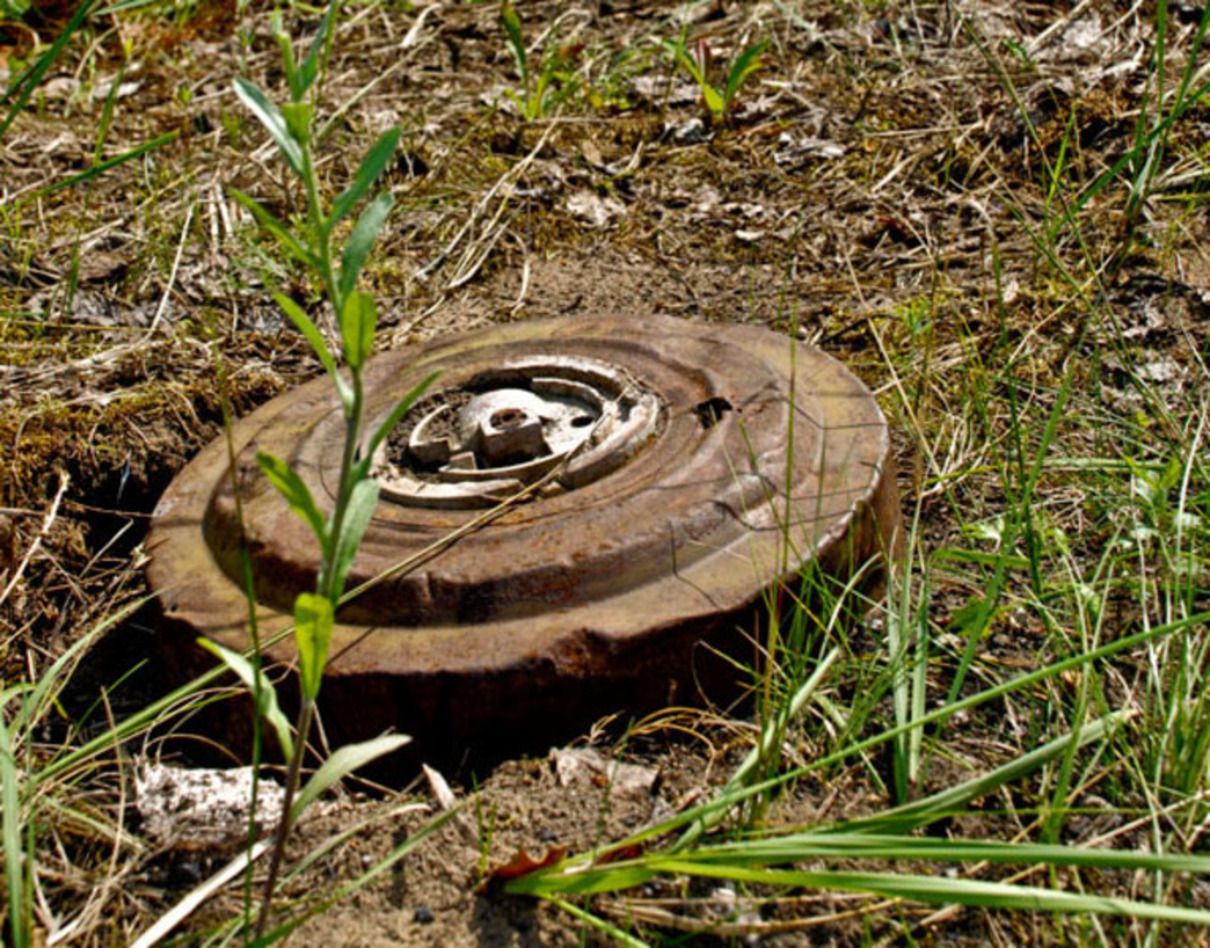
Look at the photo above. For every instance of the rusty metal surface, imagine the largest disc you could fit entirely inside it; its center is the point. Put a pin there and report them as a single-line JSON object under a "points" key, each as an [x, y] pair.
{"points": [[597, 598]]}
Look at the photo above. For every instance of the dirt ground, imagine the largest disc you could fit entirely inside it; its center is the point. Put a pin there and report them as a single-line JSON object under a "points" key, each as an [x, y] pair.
{"points": [[880, 193]]}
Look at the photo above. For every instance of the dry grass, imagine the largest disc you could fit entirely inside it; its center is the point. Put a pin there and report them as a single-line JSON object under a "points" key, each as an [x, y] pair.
{"points": [[895, 187]]}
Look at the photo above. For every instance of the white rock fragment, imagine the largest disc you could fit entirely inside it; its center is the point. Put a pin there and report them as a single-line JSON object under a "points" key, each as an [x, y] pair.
{"points": [[202, 808], [691, 132], [792, 150], [591, 207], [1160, 371], [586, 767]]}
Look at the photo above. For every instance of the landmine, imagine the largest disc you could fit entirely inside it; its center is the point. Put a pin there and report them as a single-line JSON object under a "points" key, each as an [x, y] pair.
{"points": [[581, 518]]}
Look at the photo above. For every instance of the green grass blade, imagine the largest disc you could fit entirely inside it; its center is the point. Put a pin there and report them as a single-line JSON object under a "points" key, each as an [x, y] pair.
{"points": [[947, 802], [23, 86], [375, 162], [309, 69], [274, 226], [799, 847], [516, 40], [764, 746], [14, 870], [44, 693], [1029, 679], [343, 762], [141, 719], [746, 63], [361, 241], [111, 100], [274, 123], [600, 924], [942, 890]]}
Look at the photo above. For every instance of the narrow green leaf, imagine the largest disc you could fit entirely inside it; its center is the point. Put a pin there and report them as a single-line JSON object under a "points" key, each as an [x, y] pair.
{"points": [[99, 168], [516, 39], [710, 96], [358, 321], [11, 692], [396, 415], [800, 847], [313, 621], [521, 101], [271, 118], [14, 871], [310, 66], [600, 924], [285, 46], [730, 799], [259, 686], [372, 166], [714, 102], [302, 322], [21, 88], [361, 241], [745, 64], [611, 877], [45, 692], [690, 65], [106, 121], [274, 226], [343, 762], [942, 890], [296, 493], [362, 501]]}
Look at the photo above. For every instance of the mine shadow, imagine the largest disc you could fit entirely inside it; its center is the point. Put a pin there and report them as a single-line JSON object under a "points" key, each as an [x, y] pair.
{"points": [[499, 919]]}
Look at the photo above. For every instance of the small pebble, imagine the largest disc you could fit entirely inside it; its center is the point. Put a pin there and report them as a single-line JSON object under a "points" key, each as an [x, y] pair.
{"points": [[423, 915]]}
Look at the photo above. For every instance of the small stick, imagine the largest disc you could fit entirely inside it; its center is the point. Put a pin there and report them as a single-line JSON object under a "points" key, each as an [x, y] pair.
{"points": [[51, 515], [189, 904]]}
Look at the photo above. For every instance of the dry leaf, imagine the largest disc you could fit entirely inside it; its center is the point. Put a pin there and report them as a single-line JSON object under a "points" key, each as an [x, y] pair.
{"points": [[520, 865]]}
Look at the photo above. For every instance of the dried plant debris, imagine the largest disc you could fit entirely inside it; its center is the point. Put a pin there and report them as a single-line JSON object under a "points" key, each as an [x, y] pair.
{"points": [[995, 213]]}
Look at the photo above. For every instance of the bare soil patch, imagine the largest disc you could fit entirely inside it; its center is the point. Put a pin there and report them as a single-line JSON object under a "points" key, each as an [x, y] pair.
{"points": [[893, 190]]}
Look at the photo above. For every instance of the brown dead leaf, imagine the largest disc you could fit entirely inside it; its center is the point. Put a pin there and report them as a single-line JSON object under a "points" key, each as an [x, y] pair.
{"points": [[522, 864]]}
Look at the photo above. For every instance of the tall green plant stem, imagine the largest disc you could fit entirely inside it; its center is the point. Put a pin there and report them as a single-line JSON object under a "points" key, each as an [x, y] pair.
{"points": [[305, 717], [354, 411], [327, 578]]}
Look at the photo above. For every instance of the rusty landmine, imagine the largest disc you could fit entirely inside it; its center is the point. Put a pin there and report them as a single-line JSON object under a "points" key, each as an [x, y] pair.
{"points": [[653, 455]]}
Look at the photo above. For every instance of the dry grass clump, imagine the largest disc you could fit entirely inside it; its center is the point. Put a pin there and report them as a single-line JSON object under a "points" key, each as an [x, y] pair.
{"points": [[994, 212]]}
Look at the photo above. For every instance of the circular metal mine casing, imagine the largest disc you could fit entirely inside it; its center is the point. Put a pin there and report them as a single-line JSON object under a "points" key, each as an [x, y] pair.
{"points": [[655, 454]]}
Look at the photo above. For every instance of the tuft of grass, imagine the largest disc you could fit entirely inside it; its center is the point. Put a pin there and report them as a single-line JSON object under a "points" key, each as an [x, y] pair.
{"points": [[544, 88], [721, 100]]}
